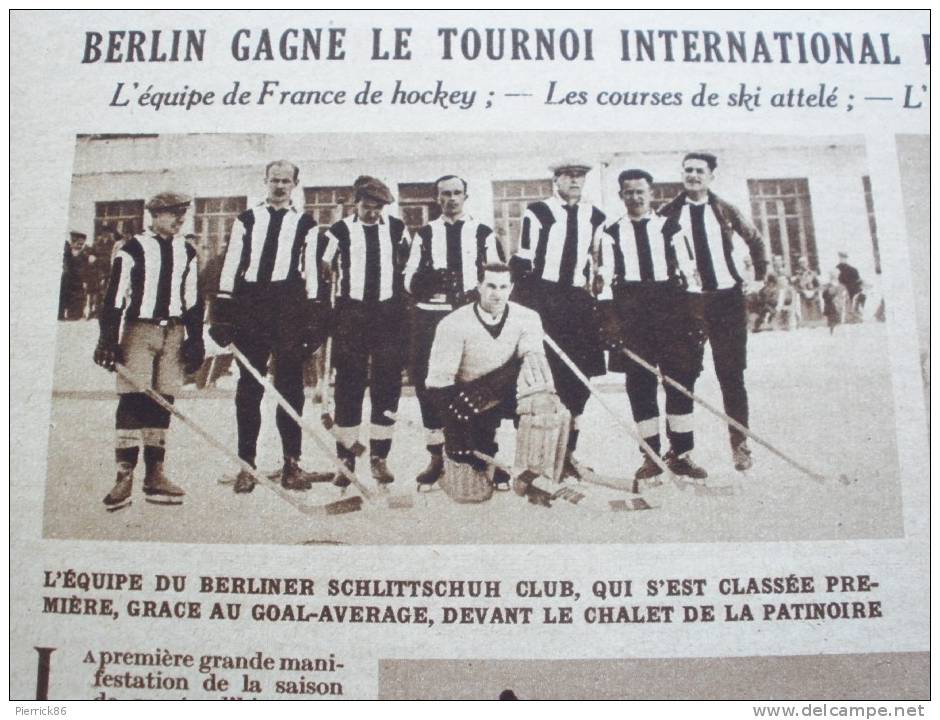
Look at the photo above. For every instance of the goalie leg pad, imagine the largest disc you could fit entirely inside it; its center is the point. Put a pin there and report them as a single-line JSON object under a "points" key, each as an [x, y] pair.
{"points": [[541, 444]]}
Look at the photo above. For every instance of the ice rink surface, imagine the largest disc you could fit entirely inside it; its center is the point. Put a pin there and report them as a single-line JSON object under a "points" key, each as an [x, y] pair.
{"points": [[824, 400]]}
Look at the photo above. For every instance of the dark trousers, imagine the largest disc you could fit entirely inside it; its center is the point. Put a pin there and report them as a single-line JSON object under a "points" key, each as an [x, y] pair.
{"points": [[726, 327], [567, 314], [268, 328], [423, 326], [368, 334], [664, 326]]}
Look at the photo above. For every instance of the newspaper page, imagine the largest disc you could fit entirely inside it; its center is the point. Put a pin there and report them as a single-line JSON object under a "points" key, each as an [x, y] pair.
{"points": [[470, 355]]}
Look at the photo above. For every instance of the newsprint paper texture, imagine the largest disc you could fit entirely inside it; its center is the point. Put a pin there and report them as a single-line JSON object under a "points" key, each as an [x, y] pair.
{"points": [[804, 576]]}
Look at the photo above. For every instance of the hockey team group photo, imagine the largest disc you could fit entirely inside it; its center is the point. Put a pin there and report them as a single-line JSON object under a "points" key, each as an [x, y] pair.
{"points": [[473, 339]]}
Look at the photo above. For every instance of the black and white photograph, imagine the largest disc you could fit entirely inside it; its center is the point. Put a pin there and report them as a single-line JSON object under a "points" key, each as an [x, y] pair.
{"points": [[471, 355], [695, 374]]}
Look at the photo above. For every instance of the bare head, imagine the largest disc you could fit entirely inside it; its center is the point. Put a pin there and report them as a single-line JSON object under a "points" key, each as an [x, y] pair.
{"points": [[495, 287], [636, 191], [280, 178], [698, 171], [451, 195]]}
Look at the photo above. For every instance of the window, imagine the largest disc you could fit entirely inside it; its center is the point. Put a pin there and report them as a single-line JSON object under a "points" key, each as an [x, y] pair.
{"points": [[782, 212], [510, 199], [124, 218], [213, 222], [663, 193], [418, 204], [872, 225], [328, 204]]}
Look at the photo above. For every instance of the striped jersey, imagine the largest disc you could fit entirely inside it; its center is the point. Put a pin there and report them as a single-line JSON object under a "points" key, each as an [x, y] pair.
{"points": [[635, 251], [463, 246], [368, 258], [560, 240], [266, 245], [154, 278], [701, 251]]}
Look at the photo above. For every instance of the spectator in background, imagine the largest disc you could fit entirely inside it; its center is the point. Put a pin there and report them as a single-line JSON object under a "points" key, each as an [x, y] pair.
{"points": [[71, 288], [806, 282], [852, 282], [787, 310], [767, 303], [833, 298]]}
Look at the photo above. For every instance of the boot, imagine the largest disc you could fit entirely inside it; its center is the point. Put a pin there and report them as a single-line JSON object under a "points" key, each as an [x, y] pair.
{"points": [[742, 457], [292, 477], [683, 465], [501, 479], [433, 472], [123, 484], [573, 468], [244, 482], [156, 483], [340, 480], [380, 471], [647, 470]]}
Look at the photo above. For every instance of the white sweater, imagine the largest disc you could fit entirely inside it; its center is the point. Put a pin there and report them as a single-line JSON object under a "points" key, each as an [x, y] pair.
{"points": [[464, 349]]}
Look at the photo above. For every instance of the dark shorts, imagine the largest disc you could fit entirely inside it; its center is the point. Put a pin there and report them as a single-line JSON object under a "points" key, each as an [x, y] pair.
{"points": [[662, 324]]}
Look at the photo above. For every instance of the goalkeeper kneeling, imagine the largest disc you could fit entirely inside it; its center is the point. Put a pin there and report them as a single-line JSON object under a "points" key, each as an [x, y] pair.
{"points": [[488, 363]]}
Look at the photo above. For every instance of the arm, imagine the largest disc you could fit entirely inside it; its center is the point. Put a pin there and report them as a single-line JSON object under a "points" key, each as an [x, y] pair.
{"points": [[446, 354], [751, 235], [493, 248], [233, 255], [521, 262]]}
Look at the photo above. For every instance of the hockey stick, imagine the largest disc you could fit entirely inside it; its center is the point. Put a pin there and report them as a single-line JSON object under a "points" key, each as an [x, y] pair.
{"points": [[681, 482], [541, 490], [333, 508], [397, 502], [326, 396], [725, 418], [650, 453]]}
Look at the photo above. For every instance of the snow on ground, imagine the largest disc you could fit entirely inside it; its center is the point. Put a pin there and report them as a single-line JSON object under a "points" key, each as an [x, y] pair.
{"points": [[824, 400]]}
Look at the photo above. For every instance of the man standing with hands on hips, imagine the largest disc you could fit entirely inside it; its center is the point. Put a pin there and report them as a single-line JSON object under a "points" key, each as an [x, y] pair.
{"points": [[553, 269], [267, 304], [445, 264], [704, 247]]}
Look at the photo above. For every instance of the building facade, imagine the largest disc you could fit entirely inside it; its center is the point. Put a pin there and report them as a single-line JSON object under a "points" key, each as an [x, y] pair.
{"points": [[809, 196]]}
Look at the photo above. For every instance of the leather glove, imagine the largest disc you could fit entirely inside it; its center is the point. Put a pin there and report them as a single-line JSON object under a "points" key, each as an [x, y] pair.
{"points": [[423, 285], [222, 321], [107, 355], [452, 285], [193, 353], [608, 325], [108, 352], [520, 268]]}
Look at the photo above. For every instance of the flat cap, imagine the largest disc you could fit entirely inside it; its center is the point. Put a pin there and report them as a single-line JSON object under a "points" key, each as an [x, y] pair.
{"points": [[368, 187], [571, 165], [168, 201]]}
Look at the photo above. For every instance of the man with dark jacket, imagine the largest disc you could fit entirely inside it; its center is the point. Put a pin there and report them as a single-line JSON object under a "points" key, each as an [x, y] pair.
{"points": [[704, 230]]}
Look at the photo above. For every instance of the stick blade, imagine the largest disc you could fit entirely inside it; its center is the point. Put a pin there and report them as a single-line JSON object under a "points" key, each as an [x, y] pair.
{"points": [[342, 507]]}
